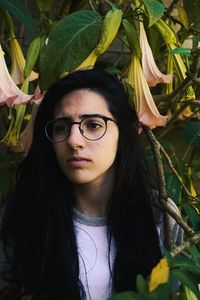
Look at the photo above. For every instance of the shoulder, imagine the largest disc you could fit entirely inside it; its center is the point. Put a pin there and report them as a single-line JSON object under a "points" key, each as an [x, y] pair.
{"points": [[158, 212]]}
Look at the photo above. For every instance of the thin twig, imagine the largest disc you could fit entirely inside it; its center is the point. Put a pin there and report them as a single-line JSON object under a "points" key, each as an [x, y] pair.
{"points": [[195, 239]]}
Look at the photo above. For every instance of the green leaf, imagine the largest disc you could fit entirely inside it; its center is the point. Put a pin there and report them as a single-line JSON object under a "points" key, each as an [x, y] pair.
{"points": [[125, 296], [141, 284], [195, 253], [186, 264], [132, 37], [193, 216], [154, 9], [173, 187], [191, 133], [181, 51], [189, 294], [188, 280], [70, 42], [21, 13]]}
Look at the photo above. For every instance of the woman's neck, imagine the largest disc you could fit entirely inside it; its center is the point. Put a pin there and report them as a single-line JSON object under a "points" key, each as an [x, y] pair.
{"points": [[92, 198]]}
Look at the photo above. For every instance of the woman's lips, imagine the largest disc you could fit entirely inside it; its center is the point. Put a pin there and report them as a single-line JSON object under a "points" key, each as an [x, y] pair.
{"points": [[78, 161]]}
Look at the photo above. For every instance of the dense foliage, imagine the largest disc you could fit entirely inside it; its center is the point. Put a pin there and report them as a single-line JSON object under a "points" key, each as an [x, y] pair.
{"points": [[152, 45]]}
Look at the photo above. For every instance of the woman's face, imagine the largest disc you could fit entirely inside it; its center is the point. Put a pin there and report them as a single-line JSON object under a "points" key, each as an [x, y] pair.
{"points": [[85, 161]]}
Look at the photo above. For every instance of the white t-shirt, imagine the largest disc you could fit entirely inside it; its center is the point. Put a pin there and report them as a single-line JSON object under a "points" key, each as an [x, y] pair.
{"points": [[93, 249]]}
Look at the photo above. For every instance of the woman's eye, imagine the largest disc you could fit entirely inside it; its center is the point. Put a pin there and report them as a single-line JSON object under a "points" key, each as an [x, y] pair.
{"points": [[93, 125], [60, 128]]}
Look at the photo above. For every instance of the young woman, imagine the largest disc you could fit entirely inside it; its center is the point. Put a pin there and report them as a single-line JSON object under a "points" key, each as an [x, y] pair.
{"points": [[82, 221]]}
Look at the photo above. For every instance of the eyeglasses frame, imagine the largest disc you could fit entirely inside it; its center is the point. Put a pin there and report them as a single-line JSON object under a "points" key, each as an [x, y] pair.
{"points": [[106, 119]]}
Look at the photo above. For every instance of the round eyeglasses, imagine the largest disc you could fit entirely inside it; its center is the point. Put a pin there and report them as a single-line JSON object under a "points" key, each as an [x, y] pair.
{"points": [[92, 127]]}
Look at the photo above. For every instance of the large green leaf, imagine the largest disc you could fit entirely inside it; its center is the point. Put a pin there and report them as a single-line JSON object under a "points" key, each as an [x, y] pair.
{"points": [[191, 133], [20, 12], [154, 9], [70, 41]]}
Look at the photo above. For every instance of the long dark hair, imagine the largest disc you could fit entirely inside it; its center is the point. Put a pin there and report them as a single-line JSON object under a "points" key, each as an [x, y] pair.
{"points": [[38, 218]]}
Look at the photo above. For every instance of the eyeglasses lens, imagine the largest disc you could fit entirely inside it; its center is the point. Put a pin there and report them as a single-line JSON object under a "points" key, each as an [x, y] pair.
{"points": [[93, 128]]}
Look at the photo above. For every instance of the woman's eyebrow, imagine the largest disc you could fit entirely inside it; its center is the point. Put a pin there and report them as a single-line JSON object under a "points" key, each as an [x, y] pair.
{"points": [[90, 115]]}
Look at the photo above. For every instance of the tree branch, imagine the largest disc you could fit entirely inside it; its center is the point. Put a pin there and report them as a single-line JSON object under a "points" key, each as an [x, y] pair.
{"points": [[161, 180]]}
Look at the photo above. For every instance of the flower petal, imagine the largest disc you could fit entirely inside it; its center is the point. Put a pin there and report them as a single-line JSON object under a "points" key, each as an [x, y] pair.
{"points": [[151, 71], [9, 92], [146, 109]]}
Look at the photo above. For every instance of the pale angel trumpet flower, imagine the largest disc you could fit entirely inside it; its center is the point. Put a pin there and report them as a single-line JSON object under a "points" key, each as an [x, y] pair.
{"points": [[150, 69], [145, 107], [18, 63], [9, 92]]}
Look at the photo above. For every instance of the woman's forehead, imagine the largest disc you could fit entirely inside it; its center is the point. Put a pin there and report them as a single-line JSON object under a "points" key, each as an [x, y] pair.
{"points": [[83, 101]]}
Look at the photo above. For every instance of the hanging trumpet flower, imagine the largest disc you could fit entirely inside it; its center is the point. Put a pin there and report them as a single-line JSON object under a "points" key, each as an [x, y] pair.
{"points": [[150, 69], [12, 136], [145, 107], [10, 94]]}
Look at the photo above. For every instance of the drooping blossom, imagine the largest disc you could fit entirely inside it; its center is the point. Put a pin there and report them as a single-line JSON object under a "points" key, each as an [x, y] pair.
{"points": [[18, 63], [150, 69], [9, 92], [145, 107]]}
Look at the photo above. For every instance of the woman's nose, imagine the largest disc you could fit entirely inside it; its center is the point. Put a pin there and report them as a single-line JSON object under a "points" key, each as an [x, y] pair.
{"points": [[75, 138]]}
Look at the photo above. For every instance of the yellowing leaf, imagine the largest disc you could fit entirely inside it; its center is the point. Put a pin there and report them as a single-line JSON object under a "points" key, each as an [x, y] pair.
{"points": [[159, 274]]}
